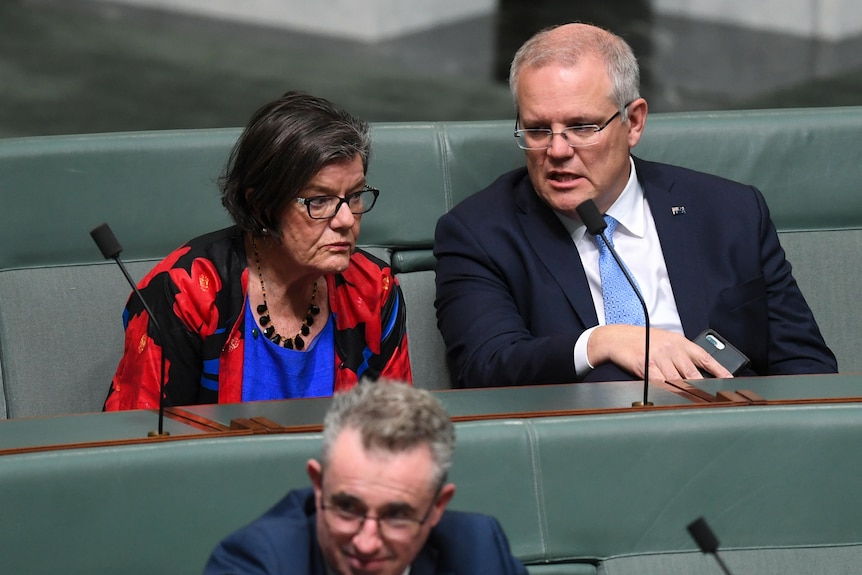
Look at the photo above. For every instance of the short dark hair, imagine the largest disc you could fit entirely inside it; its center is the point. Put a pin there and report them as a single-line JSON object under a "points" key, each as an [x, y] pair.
{"points": [[286, 143]]}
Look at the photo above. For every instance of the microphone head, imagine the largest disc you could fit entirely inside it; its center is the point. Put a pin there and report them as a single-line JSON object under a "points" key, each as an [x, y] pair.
{"points": [[591, 217], [703, 535], [107, 241]]}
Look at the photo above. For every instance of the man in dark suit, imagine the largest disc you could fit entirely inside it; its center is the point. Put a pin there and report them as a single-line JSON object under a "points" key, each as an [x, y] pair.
{"points": [[520, 295], [378, 501]]}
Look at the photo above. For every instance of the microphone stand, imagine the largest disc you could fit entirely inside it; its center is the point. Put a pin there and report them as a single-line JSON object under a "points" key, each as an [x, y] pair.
{"points": [[707, 541], [646, 401], [596, 226], [110, 248]]}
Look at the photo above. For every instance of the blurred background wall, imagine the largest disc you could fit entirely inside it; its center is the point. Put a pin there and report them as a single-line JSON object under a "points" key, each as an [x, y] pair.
{"points": [[80, 66]]}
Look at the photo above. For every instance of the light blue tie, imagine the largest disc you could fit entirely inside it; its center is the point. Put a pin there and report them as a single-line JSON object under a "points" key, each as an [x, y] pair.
{"points": [[621, 302]]}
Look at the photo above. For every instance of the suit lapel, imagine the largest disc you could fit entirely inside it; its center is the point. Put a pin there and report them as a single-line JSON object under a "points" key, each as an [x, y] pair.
{"points": [[677, 217], [685, 263], [554, 247]]}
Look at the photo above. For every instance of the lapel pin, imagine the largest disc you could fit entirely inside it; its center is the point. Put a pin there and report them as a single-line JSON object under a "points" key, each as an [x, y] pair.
{"points": [[677, 210]]}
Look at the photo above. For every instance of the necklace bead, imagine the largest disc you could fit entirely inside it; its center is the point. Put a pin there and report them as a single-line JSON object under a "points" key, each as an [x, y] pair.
{"points": [[296, 342]]}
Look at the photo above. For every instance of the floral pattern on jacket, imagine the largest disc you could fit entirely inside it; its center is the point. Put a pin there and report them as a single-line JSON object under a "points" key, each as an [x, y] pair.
{"points": [[198, 295]]}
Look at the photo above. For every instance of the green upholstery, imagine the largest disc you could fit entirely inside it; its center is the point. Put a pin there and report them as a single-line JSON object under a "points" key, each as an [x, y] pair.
{"points": [[139, 509], [156, 189], [60, 303], [61, 335], [609, 494], [806, 162]]}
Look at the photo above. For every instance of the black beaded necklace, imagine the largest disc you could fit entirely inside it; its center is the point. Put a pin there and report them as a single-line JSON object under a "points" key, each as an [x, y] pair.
{"points": [[296, 342]]}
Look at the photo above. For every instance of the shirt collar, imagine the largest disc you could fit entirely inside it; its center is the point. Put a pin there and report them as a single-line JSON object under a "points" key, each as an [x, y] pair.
{"points": [[627, 210]]}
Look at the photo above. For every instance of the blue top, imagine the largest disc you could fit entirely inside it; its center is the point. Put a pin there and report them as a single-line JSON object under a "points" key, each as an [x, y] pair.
{"points": [[271, 371]]}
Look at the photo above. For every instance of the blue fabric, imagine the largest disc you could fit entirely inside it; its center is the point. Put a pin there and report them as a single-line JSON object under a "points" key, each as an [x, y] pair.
{"points": [[271, 371], [209, 375], [284, 540], [621, 302]]}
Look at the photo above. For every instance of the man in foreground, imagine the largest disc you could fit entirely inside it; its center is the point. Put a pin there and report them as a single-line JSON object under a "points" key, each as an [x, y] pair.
{"points": [[378, 500]]}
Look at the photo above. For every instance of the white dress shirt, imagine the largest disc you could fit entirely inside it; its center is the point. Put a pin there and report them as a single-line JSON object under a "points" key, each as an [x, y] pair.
{"points": [[637, 244]]}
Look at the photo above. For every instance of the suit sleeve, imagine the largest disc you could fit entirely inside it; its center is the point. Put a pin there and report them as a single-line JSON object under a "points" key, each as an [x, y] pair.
{"points": [[481, 308], [469, 544], [510, 565], [796, 345], [243, 554], [280, 541]]}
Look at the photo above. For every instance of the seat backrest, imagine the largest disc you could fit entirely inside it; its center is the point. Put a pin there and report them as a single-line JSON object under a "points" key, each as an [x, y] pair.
{"points": [[608, 494], [61, 304], [62, 335]]}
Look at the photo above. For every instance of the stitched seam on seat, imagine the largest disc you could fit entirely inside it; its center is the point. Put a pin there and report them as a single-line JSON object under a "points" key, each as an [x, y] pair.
{"points": [[535, 461], [445, 150], [4, 414]]}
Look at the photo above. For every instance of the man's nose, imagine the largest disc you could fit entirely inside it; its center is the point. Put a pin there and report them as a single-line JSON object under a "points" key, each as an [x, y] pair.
{"points": [[367, 541], [559, 146]]}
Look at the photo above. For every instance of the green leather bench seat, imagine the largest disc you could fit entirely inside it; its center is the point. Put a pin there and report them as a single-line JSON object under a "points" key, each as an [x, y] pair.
{"points": [[60, 303], [607, 494]]}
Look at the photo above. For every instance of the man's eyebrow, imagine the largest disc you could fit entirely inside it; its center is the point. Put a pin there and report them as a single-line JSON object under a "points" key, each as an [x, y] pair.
{"points": [[388, 509], [570, 121], [397, 508], [346, 499]]}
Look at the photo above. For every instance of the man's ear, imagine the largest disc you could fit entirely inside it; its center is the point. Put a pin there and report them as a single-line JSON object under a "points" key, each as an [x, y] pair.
{"points": [[315, 474], [443, 498], [637, 114]]}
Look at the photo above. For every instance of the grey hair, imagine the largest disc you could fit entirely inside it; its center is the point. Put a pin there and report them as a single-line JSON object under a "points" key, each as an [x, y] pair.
{"points": [[392, 416], [567, 44]]}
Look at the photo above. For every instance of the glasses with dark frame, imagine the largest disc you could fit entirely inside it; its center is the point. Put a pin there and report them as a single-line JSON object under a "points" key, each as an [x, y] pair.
{"points": [[576, 136], [325, 207], [346, 519]]}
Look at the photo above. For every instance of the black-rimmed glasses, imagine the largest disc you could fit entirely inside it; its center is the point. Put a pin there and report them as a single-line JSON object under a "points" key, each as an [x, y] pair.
{"points": [[576, 136], [325, 207], [343, 519]]}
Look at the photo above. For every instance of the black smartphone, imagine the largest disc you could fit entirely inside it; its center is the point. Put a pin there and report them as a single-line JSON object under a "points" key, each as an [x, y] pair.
{"points": [[723, 351]]}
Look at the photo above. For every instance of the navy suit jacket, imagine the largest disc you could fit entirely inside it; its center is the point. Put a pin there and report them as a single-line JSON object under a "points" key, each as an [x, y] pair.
{"points": [[512, 295], [284, 541]]}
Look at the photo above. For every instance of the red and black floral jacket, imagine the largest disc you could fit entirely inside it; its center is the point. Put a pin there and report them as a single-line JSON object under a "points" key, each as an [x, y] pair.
{"points": [[197, 295]]}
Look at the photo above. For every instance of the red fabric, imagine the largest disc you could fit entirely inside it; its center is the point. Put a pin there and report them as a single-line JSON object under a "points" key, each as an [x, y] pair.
{"points": [[198, 294]]}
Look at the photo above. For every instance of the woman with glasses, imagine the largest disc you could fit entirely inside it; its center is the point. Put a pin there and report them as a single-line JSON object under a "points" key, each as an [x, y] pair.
{"points": [[282, 304]]}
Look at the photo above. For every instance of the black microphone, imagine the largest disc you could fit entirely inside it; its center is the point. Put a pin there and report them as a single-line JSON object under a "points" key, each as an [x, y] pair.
{"points": [[596, 225], [110, 248], [706, 540]]}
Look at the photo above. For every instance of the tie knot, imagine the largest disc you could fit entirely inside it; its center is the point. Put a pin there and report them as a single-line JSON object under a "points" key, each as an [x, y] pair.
{"points": [[609, 232]]}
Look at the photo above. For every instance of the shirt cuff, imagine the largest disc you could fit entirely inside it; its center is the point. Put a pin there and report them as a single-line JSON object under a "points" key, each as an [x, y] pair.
{"points": [[582, 362]]}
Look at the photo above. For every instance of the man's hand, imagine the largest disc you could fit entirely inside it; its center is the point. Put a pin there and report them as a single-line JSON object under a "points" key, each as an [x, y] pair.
{"points": [[672, 356]]}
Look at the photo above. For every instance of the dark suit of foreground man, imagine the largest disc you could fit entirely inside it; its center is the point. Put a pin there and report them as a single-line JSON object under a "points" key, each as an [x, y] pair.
{"points": [[519, 294], [377, 503]]}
